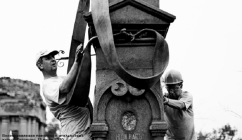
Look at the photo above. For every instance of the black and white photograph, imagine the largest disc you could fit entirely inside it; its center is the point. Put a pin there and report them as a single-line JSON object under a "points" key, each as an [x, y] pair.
{"points": [[120, 70]]}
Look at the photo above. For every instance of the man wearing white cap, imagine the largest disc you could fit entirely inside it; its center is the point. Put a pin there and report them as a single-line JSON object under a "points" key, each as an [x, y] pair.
{"points": [[75, 121]]}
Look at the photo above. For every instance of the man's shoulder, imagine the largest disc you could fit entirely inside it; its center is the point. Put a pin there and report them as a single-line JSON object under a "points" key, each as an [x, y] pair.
{"points": [[186, 94], [52, 79]]}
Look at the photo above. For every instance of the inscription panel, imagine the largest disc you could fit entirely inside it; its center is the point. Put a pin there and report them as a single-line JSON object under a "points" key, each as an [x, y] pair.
{"points": [[129, 136], [128, 119]]}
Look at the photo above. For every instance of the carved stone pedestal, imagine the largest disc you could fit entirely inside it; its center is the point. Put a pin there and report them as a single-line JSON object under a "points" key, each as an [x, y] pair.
{"points": [[122, 112]]}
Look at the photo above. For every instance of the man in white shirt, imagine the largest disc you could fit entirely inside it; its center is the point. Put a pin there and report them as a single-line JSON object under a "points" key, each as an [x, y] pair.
{"points": [[75, 121], [178, 109]]}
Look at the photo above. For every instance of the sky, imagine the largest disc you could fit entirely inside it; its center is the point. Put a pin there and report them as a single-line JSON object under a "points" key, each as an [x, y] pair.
{"points": [[204, 43]]}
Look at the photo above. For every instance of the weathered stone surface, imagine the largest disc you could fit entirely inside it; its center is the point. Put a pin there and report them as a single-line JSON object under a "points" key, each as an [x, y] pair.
{"points": [[129, 57], [135, 15], [129, 116], [118, 109], [123, 16], [122, 112], [151, 2]]}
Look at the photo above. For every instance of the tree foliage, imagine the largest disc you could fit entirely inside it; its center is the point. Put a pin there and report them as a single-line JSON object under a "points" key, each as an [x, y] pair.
{"points": [[52, 129], [224, 133]]}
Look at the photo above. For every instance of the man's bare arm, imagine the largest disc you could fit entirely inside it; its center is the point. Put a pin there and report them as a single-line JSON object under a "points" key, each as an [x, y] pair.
{"points": [[69, 80]]}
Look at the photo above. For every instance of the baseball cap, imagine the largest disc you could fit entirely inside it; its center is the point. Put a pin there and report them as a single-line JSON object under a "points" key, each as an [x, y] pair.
{"points": [[44, 53]]}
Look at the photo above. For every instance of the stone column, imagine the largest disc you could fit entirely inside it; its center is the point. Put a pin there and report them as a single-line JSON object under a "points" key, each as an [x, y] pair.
{"points": [[37, 127], [33, 130], [29, 128], [4, 127], [23, 125], [11, 123], [42, 129], [0, 128]]}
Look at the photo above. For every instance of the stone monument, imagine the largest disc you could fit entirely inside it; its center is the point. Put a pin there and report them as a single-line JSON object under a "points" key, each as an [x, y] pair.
{"points": [[121, 111]]}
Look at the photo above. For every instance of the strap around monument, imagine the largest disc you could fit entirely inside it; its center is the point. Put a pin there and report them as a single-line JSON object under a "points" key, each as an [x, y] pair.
{"points": [[78, 35], [80, 90], [102, 24]]}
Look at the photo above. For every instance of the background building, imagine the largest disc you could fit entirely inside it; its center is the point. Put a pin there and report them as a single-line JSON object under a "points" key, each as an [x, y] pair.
{"points": [[22, 110]]}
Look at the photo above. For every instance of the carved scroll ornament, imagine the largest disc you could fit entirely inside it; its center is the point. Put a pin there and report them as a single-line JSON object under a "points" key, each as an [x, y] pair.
{"points": [[120, 88]]}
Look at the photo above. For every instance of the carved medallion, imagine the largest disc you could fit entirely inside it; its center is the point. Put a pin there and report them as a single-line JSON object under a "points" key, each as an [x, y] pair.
{"points": [[129, 121]]}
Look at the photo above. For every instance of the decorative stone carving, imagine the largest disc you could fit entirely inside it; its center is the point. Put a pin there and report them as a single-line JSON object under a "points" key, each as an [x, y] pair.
{"points": [[136, 92], [14, 107], [122, 112], [129, 121], [119, 88]]}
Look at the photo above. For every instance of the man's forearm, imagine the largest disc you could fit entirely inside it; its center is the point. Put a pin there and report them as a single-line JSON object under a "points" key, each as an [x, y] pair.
{"points": [[175, 103], [69, 80]]}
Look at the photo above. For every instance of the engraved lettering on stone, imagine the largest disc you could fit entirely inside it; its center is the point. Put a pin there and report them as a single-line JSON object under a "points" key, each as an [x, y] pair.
{"points": [[129, 121], [135, 136], [121, 136]]}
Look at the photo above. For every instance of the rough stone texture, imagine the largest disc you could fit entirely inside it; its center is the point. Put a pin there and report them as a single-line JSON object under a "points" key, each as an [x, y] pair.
{"points": [[122, 112], [118, 107], [123, 16], [117, 99], [135, 58], [151, 2]]}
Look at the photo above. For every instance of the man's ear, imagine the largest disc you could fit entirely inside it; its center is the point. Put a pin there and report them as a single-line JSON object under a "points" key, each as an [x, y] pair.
{"points": [[40, 65]]}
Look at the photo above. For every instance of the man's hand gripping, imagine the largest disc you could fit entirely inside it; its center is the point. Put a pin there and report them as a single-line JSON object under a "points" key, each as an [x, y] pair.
{"points": [[79, 53]]}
